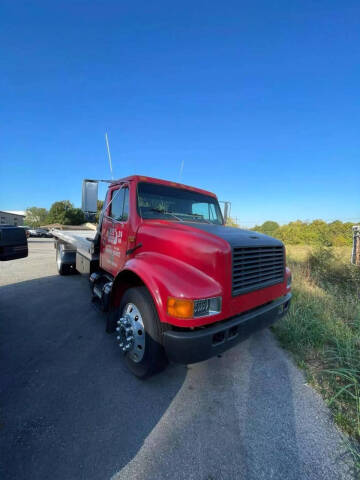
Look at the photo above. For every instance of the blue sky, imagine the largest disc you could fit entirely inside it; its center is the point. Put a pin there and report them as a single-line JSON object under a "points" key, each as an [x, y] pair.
{"points": [[260, 100]]}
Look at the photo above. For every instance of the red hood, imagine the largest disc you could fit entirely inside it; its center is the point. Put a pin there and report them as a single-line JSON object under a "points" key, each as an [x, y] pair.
{"points": [[201, 249]]}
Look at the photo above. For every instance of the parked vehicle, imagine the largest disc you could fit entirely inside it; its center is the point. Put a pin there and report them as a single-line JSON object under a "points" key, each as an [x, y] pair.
{"points": [[43, 233], [176, 282], [13, 243], [27, 230], [40, 233]]}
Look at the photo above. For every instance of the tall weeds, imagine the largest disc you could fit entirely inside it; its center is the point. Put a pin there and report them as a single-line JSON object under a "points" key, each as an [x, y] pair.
{"points": [[322, 329]]}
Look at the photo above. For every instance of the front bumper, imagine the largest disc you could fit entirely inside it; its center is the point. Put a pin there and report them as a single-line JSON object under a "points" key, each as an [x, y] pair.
{"points": [[196, 346]]}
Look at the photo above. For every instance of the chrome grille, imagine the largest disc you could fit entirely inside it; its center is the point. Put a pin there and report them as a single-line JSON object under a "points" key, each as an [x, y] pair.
{"points": [[257, 267]]}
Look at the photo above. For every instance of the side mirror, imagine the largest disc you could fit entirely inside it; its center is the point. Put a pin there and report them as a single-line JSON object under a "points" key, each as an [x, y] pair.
{"points": [[89, 196], [13, 243]]}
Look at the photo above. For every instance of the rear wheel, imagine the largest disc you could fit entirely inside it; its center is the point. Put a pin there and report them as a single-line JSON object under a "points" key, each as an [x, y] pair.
{"points": [[63, 268], [139, 333]]}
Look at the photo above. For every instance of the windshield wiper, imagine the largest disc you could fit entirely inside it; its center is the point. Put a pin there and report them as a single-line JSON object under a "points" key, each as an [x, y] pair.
{"points": [[195, 216], [175, 215], [158, 210]]}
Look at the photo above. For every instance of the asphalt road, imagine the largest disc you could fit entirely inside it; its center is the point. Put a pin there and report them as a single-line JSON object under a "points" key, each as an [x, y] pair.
{"points": [[70, 409]]}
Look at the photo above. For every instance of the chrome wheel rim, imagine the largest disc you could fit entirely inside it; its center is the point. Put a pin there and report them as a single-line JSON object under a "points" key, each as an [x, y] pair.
{"points": [[131, 333]]}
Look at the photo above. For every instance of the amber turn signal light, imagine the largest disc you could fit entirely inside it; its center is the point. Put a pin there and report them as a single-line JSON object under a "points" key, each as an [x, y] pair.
{"points": [[180, 308]]}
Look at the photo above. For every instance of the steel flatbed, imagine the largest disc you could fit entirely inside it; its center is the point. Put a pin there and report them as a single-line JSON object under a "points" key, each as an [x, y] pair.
{"points": [[80, 240]]}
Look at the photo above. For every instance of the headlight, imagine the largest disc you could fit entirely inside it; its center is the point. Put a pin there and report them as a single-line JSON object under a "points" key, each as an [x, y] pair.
{"points": [[182, 308], [207, 306], [288, 282]]}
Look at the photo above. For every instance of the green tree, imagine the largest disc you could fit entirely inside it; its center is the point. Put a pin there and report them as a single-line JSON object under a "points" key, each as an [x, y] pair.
{"points": [[317, 233], [63, 212], [268, 227], [58, 210], [74, 216], [36, 216], [339, 241]]}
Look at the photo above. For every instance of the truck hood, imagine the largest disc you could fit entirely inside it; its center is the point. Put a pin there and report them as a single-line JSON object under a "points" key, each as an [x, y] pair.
{"points": [[236, 237], [204, 246]]}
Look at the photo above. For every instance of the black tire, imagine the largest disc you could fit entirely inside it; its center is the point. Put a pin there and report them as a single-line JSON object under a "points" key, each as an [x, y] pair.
{"points": [[62, 268], [154, 359]]}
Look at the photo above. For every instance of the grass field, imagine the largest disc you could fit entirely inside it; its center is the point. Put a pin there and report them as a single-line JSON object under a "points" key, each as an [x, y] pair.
{"points": [[322, 330]]}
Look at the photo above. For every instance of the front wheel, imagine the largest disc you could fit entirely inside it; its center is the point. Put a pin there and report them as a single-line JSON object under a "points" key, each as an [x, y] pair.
{"points": [[139, 333]]}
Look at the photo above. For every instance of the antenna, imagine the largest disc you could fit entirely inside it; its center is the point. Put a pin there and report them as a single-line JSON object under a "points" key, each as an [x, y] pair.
{"points": [[109, 155], [181, 170]]}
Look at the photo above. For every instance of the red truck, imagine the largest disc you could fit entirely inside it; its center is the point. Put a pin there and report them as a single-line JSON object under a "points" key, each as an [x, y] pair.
{"points": [[176, 283]]}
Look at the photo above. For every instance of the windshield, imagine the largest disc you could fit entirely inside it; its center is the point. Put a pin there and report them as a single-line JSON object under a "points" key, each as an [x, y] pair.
{"points": [[171, 203]]}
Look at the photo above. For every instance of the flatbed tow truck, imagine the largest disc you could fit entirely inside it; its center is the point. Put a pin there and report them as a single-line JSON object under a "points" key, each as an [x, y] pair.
{"points": [[175, 282]]}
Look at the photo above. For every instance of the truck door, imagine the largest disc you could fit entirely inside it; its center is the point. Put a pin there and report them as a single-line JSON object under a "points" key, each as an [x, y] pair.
{"points": [[114, 236]]}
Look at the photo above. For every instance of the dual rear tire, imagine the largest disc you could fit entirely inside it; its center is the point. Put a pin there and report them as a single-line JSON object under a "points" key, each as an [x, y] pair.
{"points": [[63, 267]]}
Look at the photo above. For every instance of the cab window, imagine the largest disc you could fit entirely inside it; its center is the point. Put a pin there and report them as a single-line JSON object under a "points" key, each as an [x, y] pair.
{"points": [[205, 210], [119, 208], [126, 204]]}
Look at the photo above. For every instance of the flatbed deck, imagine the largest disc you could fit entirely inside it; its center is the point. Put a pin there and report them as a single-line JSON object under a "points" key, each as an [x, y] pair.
{"points": [[81, 240]]}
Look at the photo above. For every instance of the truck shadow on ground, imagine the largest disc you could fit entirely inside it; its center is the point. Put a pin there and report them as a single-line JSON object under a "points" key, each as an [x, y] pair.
{"points": [[70, 409]]}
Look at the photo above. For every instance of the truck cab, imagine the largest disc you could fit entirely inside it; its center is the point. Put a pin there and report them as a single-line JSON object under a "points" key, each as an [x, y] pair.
{"points": [[176, 283]]}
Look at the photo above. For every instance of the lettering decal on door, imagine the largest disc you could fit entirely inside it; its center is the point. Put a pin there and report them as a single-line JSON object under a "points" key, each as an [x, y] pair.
{"points": [[114, 236]]}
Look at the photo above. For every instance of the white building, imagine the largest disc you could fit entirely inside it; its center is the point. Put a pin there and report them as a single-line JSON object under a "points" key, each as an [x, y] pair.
{"points": [[12, 217]]}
